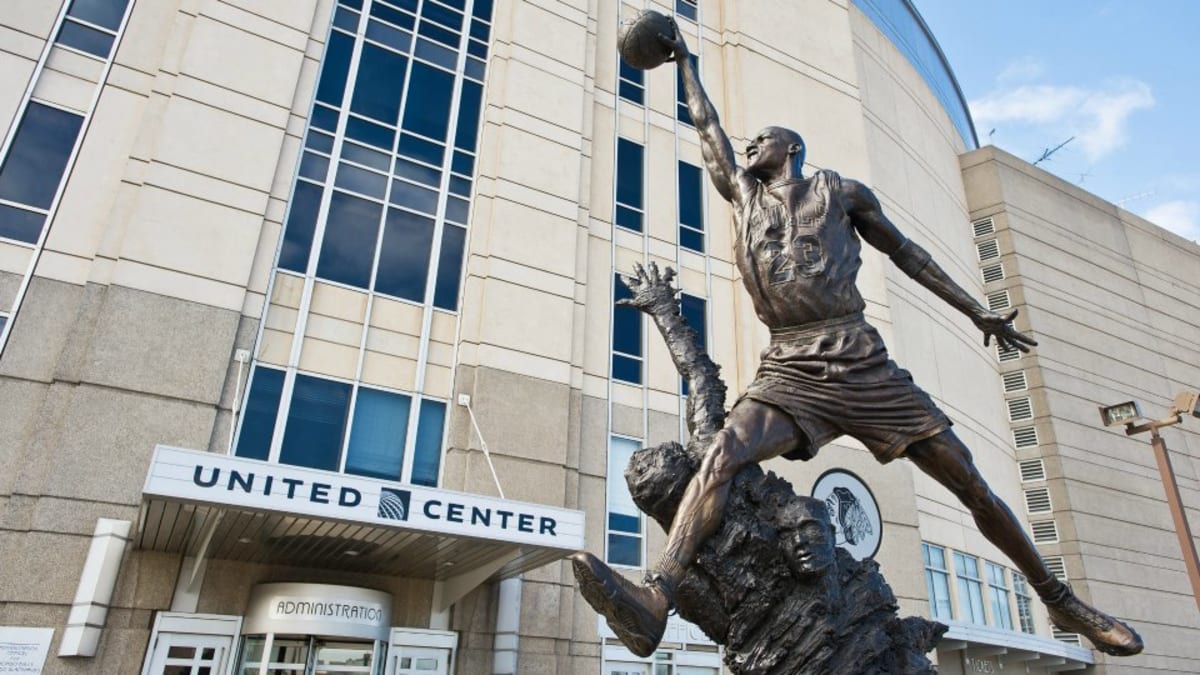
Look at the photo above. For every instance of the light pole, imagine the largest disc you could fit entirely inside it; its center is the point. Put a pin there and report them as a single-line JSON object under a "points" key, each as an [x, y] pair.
{"points": [[1130, 414]]}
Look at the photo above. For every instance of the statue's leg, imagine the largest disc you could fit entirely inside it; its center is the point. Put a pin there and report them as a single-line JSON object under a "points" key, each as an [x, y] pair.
{"points": [[945, 458], [753, 432]]}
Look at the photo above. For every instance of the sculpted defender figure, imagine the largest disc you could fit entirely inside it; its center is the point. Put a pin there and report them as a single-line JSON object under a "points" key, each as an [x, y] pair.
{"points": [[825, 373]]}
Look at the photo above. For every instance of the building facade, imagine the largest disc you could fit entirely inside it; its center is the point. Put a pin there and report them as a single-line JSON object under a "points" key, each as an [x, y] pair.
{"points": [[310, 362]]}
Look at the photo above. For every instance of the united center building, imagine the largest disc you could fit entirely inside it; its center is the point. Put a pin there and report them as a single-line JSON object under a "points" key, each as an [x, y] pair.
{"points": [[311, 364]]}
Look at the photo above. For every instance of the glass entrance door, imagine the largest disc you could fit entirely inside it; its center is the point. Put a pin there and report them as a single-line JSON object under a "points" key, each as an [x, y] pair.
{"points": [[182, 654], [309, 655]]}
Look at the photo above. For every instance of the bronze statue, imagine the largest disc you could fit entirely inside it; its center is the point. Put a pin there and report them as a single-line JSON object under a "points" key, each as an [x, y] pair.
{"points": [[826, 372]]}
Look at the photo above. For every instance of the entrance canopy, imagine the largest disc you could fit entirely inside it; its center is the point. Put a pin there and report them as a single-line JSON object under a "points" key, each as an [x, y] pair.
{"points": [[207, 505]]}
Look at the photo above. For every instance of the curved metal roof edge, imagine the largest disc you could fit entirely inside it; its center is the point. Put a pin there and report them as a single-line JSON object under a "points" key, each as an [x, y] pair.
{"points": [[945, 63]]}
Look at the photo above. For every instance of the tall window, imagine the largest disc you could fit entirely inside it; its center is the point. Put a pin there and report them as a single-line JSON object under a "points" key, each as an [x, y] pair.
{"points": [[624, 518], [387, 144], [338, 426], [681, 107], [937, 581], [1024, 603], [3, 322], [632, 83], [91, 26], [33, 169], [695, 312], [691, 207], [970, 588], [626, 337], [630, 168], [998, 594]]}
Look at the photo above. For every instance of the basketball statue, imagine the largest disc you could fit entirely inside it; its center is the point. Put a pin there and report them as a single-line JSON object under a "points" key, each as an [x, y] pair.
{"points": [[826, 372]]}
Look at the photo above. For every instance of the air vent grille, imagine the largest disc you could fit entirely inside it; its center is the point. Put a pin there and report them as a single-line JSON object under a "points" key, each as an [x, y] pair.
{"points": [[1057, 566], [1033, 469], [1044, 531], [1009, 354], [1015, 381], [988, 250], [992, 273], [998, 301], [984, 227], [1037, 500], [1020, 409], [1025, 437]]}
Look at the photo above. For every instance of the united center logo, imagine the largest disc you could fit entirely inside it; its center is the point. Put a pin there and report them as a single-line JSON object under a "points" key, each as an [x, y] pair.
{"points": [[393, 504]]}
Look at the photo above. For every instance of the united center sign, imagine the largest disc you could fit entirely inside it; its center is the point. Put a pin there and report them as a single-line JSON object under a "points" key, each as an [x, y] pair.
{"points": [[233, 481]]}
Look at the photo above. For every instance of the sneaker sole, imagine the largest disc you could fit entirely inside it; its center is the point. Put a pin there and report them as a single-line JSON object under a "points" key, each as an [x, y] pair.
{"points": [[623, 621]]}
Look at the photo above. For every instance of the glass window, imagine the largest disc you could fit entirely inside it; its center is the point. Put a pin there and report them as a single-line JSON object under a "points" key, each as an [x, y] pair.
{"points": [[402, 19], [449, 275], [302, 221], [3, 323], [937, 582], [632, 86], [258, 418], [630, 166], [20, 224], [970, 588], [624, 518], [397, 39], [37, 158], [103, 13], [378, 434], [85, 38], [694, 312], [379, 84], [429, 94], [681, 107], [404, 257], [998, 594], [348, 248], [427, 455], [686, 8], [1024, 603], [316, 423], [371, 134], [332, 88], [469, 108], [627, 337], [691, 207], [443, 15]]}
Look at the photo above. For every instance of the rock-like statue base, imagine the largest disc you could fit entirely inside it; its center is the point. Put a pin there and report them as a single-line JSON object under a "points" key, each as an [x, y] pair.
{"points": [[770, 586]]}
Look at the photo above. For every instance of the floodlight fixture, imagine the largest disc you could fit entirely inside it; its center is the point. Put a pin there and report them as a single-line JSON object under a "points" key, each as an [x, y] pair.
{"points": [[1121, 413]]}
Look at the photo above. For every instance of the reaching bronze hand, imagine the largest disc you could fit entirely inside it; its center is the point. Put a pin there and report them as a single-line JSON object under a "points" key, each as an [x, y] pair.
{"points": [[652, 291], [1001, 327], [674, 42]]}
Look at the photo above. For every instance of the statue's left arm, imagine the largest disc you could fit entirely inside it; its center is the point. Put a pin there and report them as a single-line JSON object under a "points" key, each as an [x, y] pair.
{"points": [[872, 225]]}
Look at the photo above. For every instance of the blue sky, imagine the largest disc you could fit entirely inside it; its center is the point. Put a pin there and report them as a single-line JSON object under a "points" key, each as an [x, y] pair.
{"points": [[1121, 76]]}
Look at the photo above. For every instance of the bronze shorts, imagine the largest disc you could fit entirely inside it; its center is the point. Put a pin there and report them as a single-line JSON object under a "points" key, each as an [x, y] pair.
{"points": [[834, 377]]}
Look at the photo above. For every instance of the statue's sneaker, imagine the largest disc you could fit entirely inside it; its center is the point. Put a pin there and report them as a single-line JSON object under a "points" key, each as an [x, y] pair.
{"points": [[636, 614], [1108, 635]]}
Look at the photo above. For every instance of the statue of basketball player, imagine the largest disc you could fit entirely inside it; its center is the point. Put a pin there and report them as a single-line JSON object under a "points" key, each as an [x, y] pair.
{"points": [[826, 372]]}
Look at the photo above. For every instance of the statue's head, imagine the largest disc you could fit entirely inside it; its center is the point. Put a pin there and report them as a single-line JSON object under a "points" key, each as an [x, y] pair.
{"points": [[806, 535], [772, 151]]}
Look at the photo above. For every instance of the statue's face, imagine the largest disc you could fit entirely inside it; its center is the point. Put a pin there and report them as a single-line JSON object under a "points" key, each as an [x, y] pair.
{"points": [[808, 543], [771, 150]]}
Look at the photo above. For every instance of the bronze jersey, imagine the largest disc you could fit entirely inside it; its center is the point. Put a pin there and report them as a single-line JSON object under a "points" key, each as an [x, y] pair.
{"points": [[799, 261]]}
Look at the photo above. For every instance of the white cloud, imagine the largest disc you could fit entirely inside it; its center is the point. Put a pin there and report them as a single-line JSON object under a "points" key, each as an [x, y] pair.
{"points": [[1097, 118], [1179, 216], [1023, 69]]}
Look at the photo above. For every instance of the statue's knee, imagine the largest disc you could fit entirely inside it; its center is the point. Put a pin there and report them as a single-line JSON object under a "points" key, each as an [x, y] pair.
{"points": [[978, 496]]}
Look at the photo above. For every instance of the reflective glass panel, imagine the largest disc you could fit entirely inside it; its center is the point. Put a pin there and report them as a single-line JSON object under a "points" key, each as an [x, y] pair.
{"points": [[443, 15], [85, 38], [690, 200], [414, 197], [348, 248], [332, 87], [316, 422], [404, 257], [427, 454], [378, 434], [691, 239], [627, 322], [302, 221], [629, 173], [467, 134], [428, 109], [370, 133], [106, 13], [20, 224], [379, 84], [258, 418], [445, 294], [393, 37], [361, 181], [38, 155], [390, 15], [421, 149]]}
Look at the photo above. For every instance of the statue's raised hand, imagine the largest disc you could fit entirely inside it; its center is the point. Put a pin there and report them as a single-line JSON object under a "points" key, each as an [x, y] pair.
{"points": [[652, 291], [674, 42], [1001, 327]]}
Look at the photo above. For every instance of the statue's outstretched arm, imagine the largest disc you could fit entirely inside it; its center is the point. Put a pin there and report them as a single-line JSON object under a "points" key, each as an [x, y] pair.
{"points": [[715, 146], [654, 295], [875, 227]]}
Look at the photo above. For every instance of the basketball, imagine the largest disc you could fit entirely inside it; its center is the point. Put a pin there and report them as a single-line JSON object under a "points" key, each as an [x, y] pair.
{"points": [[638, 41]]}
